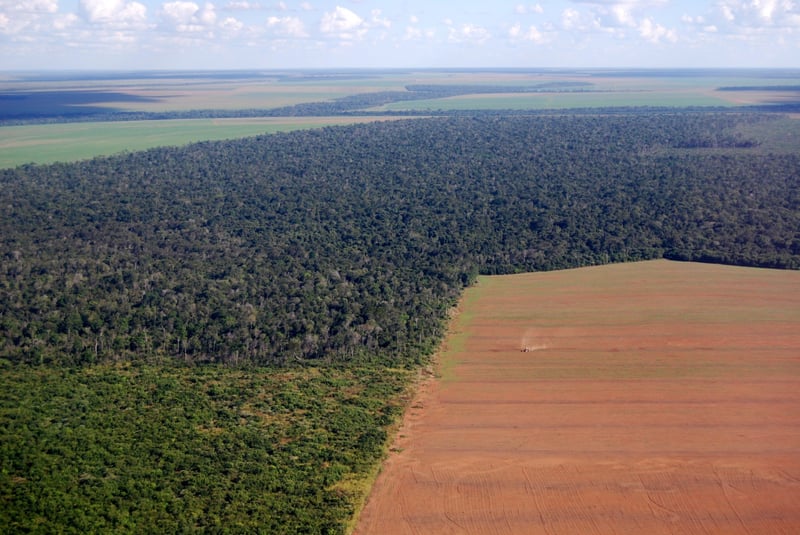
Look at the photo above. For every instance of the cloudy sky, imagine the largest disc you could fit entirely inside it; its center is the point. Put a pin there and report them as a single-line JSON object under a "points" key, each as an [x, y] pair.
{"points": [[230, 34]]}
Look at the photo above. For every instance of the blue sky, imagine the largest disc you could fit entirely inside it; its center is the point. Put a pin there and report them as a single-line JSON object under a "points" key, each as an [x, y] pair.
{"points": [[232, 34]]}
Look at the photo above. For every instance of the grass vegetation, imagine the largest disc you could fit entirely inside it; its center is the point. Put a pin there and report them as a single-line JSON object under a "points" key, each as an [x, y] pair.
{"points": [[69, 142], [559, 100]]}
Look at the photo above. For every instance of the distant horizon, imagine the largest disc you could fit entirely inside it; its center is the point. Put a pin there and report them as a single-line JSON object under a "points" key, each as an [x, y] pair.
{"points": [[368, 34], [254, 70]]}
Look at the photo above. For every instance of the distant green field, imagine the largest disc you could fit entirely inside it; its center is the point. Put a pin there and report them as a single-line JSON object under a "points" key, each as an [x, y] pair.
{"points": [[68, 142], [181, 91], [566, 100]]}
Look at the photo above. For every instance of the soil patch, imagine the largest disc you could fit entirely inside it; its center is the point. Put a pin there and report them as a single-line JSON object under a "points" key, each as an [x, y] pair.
{"points": [[657, 397]]}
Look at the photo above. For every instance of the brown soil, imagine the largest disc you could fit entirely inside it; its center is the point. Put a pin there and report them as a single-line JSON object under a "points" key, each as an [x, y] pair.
{"points": [[656, 397]]}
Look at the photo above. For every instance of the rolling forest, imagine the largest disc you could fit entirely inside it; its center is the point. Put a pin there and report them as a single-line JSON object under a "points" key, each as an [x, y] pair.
{"points": [[218, 337]]}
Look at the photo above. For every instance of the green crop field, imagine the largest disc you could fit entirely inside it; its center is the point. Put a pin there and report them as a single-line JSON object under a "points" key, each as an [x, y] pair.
{"points": [[67, 142], [560, 100]]}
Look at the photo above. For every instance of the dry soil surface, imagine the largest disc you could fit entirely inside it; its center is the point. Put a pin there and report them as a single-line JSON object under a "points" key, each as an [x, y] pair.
{"points": [[656, 397]]}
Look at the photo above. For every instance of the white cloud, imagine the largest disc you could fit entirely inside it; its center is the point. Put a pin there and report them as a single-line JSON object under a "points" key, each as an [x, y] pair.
{"points": [[231, 24], [287, 26], [759, 13], [29, 6], [343, 23], [654, 32], [622, 14], [531, 34], [688, 19], [113, 11], [62, 22], [469, 33], [727, 13], [241, 5], [572, 19], [180, 11], [412, 33], [632, 3], [208, 15], [522, 9], [187, 16], [618, 18], [27, 20], [378, 20]]}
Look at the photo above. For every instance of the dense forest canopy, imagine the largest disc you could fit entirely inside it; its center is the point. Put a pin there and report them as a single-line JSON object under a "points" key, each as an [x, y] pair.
{"points": [[351, 243]]}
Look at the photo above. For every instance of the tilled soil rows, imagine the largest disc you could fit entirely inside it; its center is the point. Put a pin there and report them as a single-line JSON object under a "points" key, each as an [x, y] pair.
{"points": [[655, 397]]}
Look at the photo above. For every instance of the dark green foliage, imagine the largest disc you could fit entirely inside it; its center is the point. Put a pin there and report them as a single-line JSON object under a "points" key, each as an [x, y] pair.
{"points": [[351, 243], [114, 449]]}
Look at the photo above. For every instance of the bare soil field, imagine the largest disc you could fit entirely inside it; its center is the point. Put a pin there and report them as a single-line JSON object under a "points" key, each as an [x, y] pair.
{"points": [[656, 397]]}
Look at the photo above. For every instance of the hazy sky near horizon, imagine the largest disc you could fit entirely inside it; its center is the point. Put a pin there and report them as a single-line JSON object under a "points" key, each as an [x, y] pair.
{"points": [[233, 34]]}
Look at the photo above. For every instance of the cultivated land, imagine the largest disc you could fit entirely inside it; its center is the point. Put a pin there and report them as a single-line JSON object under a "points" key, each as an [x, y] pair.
{"points": [[56, 95], [656, 397], [66, 142]]}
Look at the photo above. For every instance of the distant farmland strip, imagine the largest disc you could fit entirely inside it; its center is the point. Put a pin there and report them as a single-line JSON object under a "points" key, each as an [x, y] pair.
{"points": [[559, 100], [67, 142]]}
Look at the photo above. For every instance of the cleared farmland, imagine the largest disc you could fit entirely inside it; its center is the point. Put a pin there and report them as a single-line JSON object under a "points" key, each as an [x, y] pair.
{"points": [[106, 94], [67, 142], [656, 397], [561, 100]]}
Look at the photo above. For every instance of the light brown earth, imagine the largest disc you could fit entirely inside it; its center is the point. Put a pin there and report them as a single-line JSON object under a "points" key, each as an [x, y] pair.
{"points": [[657, 397]]}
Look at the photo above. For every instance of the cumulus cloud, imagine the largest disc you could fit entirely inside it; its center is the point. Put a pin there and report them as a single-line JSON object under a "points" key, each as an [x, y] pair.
{"points": [[468, 33], [412, 33], [187, 16], [343, 23], [287, 26], [241, 5], [654, 32], [633, 3], [62, 22], [231, 25], [759, 13], [619, 18], [113, 11], [19, 18], [572, 19], [522, 9], [29, 6], [532, 34], [622, 14], [377, 20]]}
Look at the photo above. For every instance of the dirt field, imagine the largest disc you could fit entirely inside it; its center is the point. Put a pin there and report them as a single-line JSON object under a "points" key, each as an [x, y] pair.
{"points": [[657, 397]]}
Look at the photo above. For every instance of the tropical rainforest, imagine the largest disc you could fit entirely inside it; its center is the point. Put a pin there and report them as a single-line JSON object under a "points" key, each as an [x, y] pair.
{"points": [[218, 336]]}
